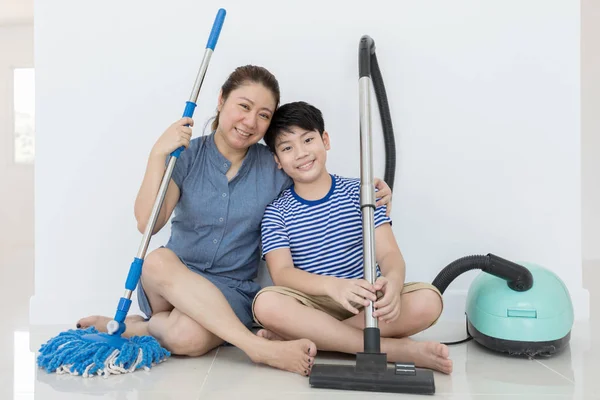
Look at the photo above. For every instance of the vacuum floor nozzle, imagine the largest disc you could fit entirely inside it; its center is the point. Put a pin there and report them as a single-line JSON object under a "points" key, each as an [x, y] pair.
{"points": [[400, 378]]}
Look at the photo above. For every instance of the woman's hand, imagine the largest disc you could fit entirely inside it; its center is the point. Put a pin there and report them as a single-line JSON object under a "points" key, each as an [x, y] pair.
{"points": [[176, 135], [383, 194]]}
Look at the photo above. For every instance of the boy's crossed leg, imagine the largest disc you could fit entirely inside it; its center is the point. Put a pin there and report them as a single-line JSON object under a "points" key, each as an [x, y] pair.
{"points": [[288, 314]]}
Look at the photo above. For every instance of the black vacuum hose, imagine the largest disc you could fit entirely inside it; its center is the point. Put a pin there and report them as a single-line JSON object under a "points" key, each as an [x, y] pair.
{"points": [[386, 122], [518, 277], [368, 66]]}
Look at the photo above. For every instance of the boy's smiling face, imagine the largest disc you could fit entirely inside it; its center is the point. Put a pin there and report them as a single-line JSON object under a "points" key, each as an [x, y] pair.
{"points": [[302, 154]]}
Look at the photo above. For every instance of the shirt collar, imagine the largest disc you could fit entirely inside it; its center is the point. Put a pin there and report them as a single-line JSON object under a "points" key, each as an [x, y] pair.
{"points": [[222, 163]]}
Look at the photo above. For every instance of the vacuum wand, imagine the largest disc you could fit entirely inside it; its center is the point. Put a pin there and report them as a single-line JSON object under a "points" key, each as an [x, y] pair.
{"points": [[367, 192], [117, 326]]}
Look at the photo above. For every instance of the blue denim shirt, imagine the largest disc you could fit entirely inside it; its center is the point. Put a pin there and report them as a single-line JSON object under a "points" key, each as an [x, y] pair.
{"points": [[216, 223]]}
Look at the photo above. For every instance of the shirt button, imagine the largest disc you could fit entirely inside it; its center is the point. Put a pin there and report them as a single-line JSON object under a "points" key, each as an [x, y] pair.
{"points": [[215, 241], [221, 219], [224, 194], [225, 165]]}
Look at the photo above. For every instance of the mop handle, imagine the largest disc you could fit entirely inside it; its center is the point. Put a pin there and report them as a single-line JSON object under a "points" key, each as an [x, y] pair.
{"points": [[367, 186], [135, 270], [190, 105]]}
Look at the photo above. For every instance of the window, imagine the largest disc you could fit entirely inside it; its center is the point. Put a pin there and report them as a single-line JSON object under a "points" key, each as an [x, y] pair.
{"points": [[24, 115]]}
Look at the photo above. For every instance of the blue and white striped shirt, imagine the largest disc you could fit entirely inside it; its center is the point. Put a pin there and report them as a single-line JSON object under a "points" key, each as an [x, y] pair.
{"points": [[324, 236]]}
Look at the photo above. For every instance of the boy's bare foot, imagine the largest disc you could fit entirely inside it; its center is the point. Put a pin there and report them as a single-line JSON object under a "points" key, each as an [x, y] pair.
{"points": [[136, 324], [269, 335], [295, 356], [429, 355]]}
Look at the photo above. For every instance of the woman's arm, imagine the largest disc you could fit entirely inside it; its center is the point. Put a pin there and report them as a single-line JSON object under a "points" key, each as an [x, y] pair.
{"points": [[149, 190], [177, 135]]}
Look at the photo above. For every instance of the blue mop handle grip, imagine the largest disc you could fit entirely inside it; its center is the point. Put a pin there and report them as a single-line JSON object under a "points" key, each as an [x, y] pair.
{"points": [[216, 29], [135, 271], [188, 112]]}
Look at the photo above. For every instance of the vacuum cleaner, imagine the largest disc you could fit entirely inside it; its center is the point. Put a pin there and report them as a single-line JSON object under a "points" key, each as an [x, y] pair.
{"points": [[518, 309], [514, 308]]}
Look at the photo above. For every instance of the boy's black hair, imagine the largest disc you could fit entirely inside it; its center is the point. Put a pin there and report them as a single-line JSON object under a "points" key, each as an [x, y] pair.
{"points": [[300, 114]]}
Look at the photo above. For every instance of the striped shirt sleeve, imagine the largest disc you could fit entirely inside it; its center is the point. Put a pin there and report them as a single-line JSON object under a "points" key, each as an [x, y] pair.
{"points": [[273, 231]]}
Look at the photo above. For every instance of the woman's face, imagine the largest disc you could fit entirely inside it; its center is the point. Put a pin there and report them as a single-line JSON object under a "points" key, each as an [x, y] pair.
{"points": [[245, 115]]}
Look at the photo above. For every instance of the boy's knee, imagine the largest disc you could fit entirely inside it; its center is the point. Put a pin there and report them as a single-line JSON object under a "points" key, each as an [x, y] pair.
{"points": [[430, 306], [267, 307]]}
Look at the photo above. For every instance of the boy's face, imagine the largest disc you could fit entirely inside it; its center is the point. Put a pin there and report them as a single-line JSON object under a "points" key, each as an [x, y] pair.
{"points": [[302, 154]]}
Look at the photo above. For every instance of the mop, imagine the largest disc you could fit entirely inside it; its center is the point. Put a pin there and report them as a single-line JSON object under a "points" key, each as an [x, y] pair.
{"points": [[87, 352]]}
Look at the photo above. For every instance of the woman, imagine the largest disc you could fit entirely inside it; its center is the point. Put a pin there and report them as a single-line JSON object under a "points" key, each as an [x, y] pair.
{"points": [[198, 289]]}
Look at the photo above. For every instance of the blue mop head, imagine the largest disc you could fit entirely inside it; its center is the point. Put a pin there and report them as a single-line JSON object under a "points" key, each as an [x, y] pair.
{"points": [[87, 352]]}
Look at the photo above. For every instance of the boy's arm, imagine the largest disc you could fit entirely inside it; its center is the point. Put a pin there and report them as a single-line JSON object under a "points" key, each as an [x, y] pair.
{"points": [[277, 253], [388, 255], [390, 261], [282, 270], [343, 291]]}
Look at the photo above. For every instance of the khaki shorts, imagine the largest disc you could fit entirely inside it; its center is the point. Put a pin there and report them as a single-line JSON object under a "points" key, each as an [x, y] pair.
{"points": [[332, 307]]}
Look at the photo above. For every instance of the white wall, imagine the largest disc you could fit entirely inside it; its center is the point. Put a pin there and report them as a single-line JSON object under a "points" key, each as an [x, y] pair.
{"points": [[590, 127], [484, 97]]}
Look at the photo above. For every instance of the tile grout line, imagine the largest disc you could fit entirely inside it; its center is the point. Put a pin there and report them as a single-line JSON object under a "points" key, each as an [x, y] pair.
{"points": [[209, 369], [556, 372]]}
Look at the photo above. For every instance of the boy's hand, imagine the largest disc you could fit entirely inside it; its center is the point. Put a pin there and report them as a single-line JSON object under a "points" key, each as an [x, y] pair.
{"points": [[357, 291], [383, 194], [387, 308]]}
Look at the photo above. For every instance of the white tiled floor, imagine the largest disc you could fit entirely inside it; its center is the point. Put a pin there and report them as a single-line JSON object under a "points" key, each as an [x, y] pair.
{"points": [[227, 373]]}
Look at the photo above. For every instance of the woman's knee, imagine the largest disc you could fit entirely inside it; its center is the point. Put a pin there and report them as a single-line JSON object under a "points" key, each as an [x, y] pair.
{"points": [[187, 338], [268, 307], [155, 269]]}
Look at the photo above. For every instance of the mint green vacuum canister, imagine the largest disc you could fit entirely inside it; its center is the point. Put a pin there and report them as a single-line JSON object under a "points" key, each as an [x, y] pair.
{"points": [[519, 309]]}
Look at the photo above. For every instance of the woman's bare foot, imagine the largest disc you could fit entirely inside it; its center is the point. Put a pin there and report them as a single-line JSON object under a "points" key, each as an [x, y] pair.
{"points": [[269, 335], [136, 324], [295, 356], [429, 355]]}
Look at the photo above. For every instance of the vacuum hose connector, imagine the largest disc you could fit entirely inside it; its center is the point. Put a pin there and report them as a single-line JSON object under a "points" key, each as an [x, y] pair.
{"points": [[366, 49], [518, 277]]}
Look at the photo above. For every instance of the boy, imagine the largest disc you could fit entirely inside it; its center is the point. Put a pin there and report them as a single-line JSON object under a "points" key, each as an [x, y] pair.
{"points": [[312, 243]]}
